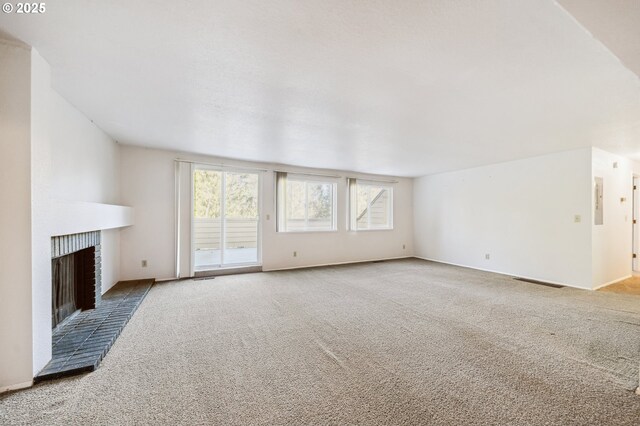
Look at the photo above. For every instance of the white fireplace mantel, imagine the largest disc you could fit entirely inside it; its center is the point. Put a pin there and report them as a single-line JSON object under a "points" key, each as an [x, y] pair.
{"points": [[77, 216]]}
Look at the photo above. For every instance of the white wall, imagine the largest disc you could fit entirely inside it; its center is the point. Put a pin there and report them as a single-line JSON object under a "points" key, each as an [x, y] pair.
{"points": [[41, 172], [72, 161], [521, 213], [612, 241], [85, 161], [110, 252], [59, 171], [148, 182], [148, 185], [15, 217]]}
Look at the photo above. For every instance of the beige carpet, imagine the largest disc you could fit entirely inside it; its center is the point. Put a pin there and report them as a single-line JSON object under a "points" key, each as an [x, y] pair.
{"points": [[404, 342]]}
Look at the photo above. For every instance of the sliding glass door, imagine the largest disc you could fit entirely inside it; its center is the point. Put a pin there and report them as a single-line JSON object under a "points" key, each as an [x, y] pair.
{"points": [[225, 218], [240, 227]]}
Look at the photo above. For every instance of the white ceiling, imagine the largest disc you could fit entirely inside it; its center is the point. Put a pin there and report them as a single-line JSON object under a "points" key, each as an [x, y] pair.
{"points": [[616, 23], [392, 87]]}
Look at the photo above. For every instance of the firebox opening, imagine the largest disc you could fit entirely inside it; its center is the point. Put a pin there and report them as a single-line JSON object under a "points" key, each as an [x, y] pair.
{"points": [[73, 284]]}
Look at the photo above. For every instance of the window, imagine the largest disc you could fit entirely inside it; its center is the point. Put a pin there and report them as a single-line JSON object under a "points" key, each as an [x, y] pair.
{"points": [[305, 203], [371, 205]]}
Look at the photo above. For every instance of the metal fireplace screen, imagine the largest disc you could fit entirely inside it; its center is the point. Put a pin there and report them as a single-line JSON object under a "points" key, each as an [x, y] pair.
{"points": [[73, 284]]}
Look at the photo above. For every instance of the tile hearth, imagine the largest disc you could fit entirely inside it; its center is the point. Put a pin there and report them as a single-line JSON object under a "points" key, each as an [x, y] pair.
{"points": [[82, 342]]}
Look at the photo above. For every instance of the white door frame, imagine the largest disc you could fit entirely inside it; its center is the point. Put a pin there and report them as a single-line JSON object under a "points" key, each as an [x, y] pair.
{"points": [[223, 171]]}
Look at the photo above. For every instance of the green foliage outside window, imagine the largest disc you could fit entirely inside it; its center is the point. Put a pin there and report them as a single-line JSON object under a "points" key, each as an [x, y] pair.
{"points": [[241, 194]]}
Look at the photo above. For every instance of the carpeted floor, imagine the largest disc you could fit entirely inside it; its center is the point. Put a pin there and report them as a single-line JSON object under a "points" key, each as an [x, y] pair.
{"points": [[403, 342]]}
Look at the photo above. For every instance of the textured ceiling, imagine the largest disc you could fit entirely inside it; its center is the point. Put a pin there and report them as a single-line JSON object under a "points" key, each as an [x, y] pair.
{"points": [[391, 87], [616, 23]]}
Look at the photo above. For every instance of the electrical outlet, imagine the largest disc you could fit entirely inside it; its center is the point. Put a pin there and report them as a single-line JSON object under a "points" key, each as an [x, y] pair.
{"points": [[487, 256], [144, 263], [295, 254]]}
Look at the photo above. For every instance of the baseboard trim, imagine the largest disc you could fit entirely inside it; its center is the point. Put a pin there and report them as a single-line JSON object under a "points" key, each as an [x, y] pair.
{"points": [[349, 262], [17, 386], [227, 271], [617, 280], [493, 271]]}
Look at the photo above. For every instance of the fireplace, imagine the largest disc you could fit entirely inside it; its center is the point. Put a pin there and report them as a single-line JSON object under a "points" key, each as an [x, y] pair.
{"points": [[75, 274]]}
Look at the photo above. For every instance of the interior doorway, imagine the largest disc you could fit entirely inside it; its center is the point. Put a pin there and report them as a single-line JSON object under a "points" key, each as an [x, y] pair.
{"points": [[225, 218]]}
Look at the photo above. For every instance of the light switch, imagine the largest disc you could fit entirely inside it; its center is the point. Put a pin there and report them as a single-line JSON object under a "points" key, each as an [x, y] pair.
{"points": [[577, 218]]}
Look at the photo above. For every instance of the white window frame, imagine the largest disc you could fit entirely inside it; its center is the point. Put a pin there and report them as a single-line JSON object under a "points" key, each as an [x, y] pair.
{"points": [[281, 203], [353, 202]]}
